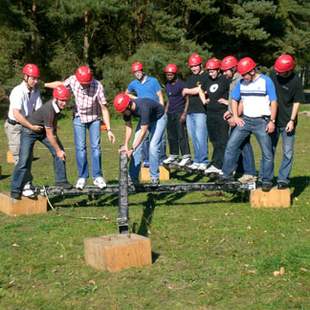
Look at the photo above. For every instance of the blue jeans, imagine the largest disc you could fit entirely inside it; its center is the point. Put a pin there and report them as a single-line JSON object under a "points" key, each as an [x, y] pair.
{"points": [[146, 148], [288, 140], [257, 126], [197, 129], [156, 131], [23, 167], [81, 148]]}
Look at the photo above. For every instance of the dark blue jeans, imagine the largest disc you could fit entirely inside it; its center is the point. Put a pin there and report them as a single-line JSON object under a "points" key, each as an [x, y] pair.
{"points": [[257, 126], [23, 167]]}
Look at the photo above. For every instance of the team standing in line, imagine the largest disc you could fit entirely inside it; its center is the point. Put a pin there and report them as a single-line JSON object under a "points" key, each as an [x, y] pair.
{"points": [[225, 101]]}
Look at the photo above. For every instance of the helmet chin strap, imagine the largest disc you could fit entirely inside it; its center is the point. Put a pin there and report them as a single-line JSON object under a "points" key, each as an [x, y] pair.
{"points": [[26, 80]]}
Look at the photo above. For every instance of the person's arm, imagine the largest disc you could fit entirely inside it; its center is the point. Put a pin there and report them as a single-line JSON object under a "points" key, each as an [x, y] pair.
{"points": [[53, 84], [160, 97], [106, 119], [271, 124], [191, 91], [24, 122], [291, 124], [234, 107], [184, 113], [53, 141]]}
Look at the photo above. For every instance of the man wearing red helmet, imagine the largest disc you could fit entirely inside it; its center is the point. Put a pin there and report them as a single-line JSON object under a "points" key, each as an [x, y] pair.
{"points": [[24, 99], [177, 106], [196, 118], [290, 95], [152, 120], [259, 100], [90, 104], [45, 117]]}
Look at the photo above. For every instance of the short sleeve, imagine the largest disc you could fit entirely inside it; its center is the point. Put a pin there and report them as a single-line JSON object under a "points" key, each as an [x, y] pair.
{"points": [[235, 94], [16, 99], [270, 89]]}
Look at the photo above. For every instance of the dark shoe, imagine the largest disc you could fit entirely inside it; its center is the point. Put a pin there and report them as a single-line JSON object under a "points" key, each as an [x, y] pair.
{"points": [[266, 186], [16, 196], [155, 181], [221, 179], [64, 185], [282, 185], [146, 164]]}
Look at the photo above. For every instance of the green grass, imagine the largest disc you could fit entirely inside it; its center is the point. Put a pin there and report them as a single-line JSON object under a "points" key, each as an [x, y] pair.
{"points": [[210, 251]]}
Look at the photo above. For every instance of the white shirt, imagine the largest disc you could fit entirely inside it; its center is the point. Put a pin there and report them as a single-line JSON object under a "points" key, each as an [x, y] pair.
{"points": [[21, 98]]}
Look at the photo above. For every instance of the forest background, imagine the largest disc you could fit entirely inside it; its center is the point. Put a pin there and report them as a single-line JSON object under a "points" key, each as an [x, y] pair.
{"points": [[109, 35]]}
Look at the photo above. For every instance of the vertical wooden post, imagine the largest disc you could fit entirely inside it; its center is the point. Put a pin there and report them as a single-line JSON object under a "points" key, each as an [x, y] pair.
{"points": [[122, 219]]}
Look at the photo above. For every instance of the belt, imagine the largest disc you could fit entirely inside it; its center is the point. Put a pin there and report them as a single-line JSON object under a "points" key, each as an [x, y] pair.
{"points": [[12, 122]]}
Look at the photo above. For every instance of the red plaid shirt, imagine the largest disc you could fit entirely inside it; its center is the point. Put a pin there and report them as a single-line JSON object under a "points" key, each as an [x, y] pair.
{"points": [[88, 101]]}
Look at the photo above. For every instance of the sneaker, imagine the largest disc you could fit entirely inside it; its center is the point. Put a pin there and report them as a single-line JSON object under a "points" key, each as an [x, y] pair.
{"points": [[80, 184], [282, 185], [224, 179], [64, 185], [100, 182], [172, 159], [146, 164], [16, 196], [202, 167], [247, 178], [213, 169], [29, 190], [266, 186], [155, 181], [184, 162], [194, 166]]}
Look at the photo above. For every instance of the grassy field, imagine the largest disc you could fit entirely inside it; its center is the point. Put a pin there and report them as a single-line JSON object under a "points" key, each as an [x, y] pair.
{"points": [[210, 250]]}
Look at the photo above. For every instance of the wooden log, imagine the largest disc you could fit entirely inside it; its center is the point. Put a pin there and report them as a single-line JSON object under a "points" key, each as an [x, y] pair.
{"points": [[25, 206], [116, 252], [164, 174], [9, 157], [276, 198]]}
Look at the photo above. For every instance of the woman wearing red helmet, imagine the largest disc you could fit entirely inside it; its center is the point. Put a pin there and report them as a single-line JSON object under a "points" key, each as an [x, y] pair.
{"points": [[290, 95], [46, 118]]}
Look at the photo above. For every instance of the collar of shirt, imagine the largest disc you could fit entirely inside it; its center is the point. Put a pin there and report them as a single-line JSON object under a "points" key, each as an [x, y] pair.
{"points": [[55, 106]]}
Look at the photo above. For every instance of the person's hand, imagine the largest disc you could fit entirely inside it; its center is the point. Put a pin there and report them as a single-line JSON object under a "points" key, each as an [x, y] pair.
{"points": [[183, 117], [184, 92], [223, 101], [36, 128], [111, 136], [270, 127], [61, 154], [129, 153], [290, 126], [238, 121]]}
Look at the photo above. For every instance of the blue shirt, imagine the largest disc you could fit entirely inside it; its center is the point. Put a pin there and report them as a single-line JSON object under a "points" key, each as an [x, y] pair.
{"points": [[256, 95], [174, 93], [148, 88]]}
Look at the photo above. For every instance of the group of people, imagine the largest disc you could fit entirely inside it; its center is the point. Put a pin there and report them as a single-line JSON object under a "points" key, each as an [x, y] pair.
{"points": [[224, 101]]}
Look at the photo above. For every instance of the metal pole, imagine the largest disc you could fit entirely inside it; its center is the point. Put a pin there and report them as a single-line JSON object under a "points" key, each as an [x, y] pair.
{"points": [[122, 219]]}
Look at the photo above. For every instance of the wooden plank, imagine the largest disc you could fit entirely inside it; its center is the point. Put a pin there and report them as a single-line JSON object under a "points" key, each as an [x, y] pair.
{"points": [[164, 174], [25, 206], [116, 252], [276, 198]]}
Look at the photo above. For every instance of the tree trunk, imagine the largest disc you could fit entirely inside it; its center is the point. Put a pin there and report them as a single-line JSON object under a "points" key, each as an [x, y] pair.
{"points": [[86, 36]]}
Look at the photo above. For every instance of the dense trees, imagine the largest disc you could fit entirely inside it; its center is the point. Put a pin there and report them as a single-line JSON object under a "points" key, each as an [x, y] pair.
{"points": [[59, 35]]}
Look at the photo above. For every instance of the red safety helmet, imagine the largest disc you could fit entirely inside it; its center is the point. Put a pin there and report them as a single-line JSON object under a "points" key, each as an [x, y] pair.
{"points": [[136, 66], [246, 65], [121, 102], [213, 64], [284, 63], [61, 93], [194, 60], [171, 68], [229, 62], [84, 75], [31, 70]]}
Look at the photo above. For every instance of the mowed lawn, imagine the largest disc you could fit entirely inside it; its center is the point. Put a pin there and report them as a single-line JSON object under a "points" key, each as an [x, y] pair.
{"points": [[210, 250]]}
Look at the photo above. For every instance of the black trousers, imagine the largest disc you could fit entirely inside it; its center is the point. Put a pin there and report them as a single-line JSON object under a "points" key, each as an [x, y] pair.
{"points": [[218, 134], [177, 135]]}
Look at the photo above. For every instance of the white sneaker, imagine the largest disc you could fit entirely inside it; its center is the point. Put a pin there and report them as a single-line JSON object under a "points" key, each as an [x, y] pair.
{"points": [[28, 190], [171, 159], [202, 167], [247, 178], [100, 182], [213, 169], [80, 184], [184, 162], [194, 166]]}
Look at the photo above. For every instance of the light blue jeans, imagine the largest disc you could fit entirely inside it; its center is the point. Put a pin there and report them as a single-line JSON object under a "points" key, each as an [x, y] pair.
{"points": [[257, 126], [288, 140], [197, 129], [81, 148], [156, 131]]}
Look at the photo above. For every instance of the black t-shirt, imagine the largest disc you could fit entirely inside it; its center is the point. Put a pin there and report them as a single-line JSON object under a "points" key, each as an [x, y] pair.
{"points": [[147, 110], [195, 104], [289, 91], [216, 89], [45, 116]]}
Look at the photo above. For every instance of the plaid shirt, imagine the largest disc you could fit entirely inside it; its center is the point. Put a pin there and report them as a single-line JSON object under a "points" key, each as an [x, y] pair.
{"points": [[88, 101]]}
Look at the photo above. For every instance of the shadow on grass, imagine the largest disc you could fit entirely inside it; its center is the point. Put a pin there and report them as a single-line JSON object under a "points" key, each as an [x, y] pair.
{"points": [[299, 183], [4, 176]]}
